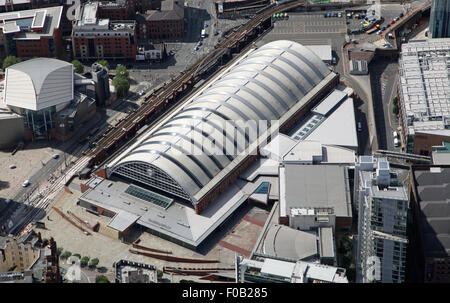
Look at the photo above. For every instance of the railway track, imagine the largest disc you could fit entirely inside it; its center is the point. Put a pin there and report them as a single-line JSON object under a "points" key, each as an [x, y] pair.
{"points": [[155, 103]]}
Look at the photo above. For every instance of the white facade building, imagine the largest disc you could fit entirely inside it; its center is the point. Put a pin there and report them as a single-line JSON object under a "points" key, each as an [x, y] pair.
{"points": [[382, 240]]}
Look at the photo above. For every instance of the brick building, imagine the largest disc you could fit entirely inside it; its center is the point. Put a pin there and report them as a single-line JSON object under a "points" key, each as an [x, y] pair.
{"points": [[162, 24], [95, 38], [118, 10], [31, 33]]}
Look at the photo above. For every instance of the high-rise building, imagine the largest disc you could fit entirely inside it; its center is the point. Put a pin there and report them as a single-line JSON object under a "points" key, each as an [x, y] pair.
{"points": [[382, 206], [440, 19]]}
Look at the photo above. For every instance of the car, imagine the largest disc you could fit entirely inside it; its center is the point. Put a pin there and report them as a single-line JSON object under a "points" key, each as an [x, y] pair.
{"points": [[333, 60], [196, 47], [379, 32], [359, 126], [396, 19], [392, 21], [325, 15], [12, 166], [401, 15], [396, 142], [395, 134], [216, 33], [329, 15], [383, 28], [26, 183], [55, 156], [8, 200], [205, 25], [340, 15]]}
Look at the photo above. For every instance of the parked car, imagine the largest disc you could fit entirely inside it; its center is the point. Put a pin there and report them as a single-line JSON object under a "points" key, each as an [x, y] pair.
{"points": [[379, 32], [395, 134], [392, 21], [401, 15], [55, 156], [26, 183], [333, 60], [359, 126], [396, 142], [340, 15]]}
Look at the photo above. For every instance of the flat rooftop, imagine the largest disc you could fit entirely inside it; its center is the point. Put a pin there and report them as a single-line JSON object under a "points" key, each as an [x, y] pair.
{"points": [[424, 84], [178, 220], [31, 24], [433, 190], [317, 186]]}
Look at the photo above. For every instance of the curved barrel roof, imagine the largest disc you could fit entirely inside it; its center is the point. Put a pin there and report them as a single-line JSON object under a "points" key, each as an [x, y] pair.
{"points": [[187, 151]]}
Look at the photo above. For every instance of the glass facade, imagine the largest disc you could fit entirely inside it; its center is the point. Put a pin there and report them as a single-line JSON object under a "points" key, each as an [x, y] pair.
{"points": [[40, 122], [440, 19]]}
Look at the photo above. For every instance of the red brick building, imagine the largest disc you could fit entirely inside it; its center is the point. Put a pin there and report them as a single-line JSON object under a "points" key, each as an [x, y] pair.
{"points": [[94, 38], [164, 24], [118, 10], [31, 33]]}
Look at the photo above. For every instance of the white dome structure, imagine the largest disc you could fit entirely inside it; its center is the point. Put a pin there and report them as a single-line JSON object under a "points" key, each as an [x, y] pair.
{"points": [[264, 85], [39, 83]]}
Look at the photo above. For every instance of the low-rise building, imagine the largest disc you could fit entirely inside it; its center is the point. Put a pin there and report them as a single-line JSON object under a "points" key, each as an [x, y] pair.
{"points": [[95, 38], [19, 253], [31, 33], [267, 269], [135, 272], [313, 196], [166, 23]]}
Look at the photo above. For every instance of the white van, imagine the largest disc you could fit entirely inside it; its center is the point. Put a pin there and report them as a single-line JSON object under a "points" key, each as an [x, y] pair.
{"points": [[396, 142]]}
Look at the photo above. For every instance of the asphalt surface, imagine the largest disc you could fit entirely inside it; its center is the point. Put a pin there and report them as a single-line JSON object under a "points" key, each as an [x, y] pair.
{"points": [[383, 74]]}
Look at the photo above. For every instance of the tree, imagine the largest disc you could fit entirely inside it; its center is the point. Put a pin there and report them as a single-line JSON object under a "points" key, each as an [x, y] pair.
{"points": [[104, 63], [121, 86], [10, 60], [66, 254], [79, 67], [121, 71], [101, 279], [160, 273], [94, 262], [77, 255], [59, 250], [84, 261]]}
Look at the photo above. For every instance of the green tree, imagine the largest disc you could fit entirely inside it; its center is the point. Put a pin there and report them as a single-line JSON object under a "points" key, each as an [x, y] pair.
{"points": [[104, 63], [66, 254], [101, 279], [94, 262], [10, 60], [395, 109], [114, 264], [121, 86], [84, 261], [77, 255], [59, 250], [121, 71], [160, 273], [79, 67]]}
